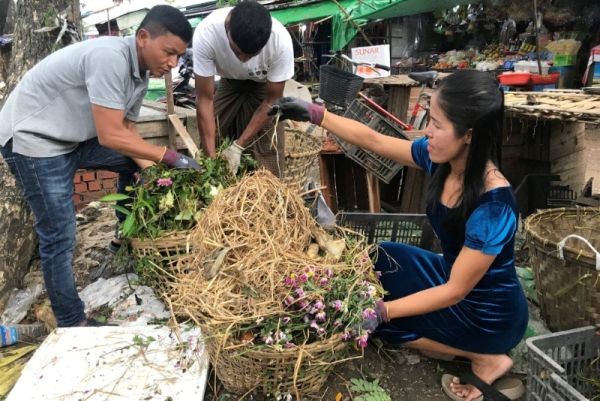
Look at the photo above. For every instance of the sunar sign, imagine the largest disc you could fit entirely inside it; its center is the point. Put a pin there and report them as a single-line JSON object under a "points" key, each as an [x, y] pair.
{"points": [[372, 54]]}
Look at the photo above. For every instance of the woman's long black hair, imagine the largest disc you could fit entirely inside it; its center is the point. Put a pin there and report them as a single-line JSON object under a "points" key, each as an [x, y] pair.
{"points": [[470, 100]]}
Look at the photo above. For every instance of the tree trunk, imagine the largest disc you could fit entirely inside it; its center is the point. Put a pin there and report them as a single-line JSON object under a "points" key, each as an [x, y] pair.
{"points": [[16, 222]]}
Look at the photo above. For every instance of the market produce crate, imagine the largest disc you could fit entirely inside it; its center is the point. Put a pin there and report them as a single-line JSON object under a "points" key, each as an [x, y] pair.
{"points": [[561, 60], [383, 168], [412, 229], [561, 364]]}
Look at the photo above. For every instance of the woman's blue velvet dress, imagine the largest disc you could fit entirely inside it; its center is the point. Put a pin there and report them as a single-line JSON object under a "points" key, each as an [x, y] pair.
{"points": [[493, 317]]}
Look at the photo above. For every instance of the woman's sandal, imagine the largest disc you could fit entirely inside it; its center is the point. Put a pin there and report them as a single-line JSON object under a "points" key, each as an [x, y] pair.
{"points": [[115, 244], [505, 389]]}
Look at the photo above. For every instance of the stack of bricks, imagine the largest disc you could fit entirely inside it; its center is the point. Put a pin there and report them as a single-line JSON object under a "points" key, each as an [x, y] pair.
{"points": [[92, 185]]}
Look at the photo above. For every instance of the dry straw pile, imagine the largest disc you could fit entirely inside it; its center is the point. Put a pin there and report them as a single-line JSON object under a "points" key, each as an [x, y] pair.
{"points": [[252, 241]]}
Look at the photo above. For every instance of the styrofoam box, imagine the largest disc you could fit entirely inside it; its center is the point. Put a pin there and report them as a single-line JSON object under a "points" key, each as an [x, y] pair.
{"points": [[531, 66], [115, 363]]}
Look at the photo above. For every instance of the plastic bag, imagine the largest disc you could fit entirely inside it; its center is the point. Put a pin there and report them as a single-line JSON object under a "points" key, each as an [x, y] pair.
{"points": [[19, 303]]}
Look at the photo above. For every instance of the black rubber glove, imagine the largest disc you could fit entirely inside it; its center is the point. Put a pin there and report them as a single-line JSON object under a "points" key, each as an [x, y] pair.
{"points": [[292, 108]]}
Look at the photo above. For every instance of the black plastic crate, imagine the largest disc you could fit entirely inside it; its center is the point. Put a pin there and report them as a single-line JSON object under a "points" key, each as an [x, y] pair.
{"points": [[383, 168], [337, 86], [560, 196], [411, 229]]}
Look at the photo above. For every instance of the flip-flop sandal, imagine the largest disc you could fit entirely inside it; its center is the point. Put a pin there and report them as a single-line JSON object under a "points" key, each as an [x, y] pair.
{"points": [[114, 246], [505, 389]]}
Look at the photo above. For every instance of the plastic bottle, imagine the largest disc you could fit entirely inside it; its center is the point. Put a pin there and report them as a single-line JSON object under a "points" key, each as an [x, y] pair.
{"points": [[12, 334]]}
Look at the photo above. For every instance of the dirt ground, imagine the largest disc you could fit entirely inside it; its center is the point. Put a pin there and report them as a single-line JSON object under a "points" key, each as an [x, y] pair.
{"points": [[404, 374]]}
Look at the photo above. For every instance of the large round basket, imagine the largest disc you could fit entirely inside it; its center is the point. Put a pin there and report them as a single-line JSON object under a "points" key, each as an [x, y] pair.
{"points": [[299, 371], [563, 246], [157, 257], [301, 153]]}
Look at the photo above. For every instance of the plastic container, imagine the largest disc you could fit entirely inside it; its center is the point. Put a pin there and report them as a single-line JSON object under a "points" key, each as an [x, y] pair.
{"points": [[559, 363], [412, 229], [561, 60], [515, 78], [537, 79], [383, 168]]}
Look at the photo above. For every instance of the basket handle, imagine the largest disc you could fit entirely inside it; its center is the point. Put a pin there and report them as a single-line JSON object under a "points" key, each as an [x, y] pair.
{"points": [[561, 245]]}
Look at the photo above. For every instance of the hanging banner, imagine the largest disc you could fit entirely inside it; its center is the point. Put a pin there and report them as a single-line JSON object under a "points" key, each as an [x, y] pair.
{"points": [[372, 54]]}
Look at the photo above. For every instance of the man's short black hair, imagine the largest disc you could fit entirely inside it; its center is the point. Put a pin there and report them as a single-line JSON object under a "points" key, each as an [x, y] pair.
{"points": [[163, 19], [250, 26]]}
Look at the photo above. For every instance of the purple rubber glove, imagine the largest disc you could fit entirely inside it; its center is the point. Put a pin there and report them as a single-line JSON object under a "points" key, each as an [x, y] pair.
{"points": [[292, 108], [374, 317], [178, 160]]}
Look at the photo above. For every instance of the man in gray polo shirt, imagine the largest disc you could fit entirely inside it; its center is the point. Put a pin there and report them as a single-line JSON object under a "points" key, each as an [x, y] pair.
{"points": [[76, 110]]}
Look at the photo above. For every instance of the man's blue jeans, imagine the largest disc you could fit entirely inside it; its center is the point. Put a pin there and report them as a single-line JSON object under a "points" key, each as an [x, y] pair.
{"points": [[47, 186]]}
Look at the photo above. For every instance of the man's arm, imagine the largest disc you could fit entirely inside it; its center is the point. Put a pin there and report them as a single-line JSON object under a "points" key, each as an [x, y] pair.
{"points": [[205, 113], [115, 132], [143, 163], [260, 117]]}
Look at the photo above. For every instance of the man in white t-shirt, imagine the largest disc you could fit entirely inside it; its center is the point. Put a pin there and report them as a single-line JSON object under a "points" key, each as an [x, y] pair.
{"points": [[253, 55]]}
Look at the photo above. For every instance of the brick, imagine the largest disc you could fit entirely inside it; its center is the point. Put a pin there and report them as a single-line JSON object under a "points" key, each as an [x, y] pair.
{"points": [[94, 186], [106, 174], [77, 178], [109, 184], [81, 188], [89, 176]]}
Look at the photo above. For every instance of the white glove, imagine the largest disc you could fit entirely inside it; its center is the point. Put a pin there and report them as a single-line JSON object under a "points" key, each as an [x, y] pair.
{"points": [[233, 155]]}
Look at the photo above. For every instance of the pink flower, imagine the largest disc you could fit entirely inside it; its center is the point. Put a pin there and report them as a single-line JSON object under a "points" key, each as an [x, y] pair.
{"points": [[289, 345], [314, 325], [329, 273], [289, 300], [323, 281], [321, 331], [369, 314], [164, 182], [303, 278], [290, 282], [337, 305], [363, 340], [286, 319], [321, 316], [346, 336], [337, 323], [303, 304], [319, 305], [268, 340], [300, 292]]}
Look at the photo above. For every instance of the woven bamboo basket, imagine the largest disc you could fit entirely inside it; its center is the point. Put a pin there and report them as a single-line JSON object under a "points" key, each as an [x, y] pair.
{"points": [[300, 371], [301, 153], [162, 253], [563, 246]]}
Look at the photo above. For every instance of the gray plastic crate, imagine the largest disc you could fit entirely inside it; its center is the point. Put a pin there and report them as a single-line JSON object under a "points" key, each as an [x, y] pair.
{"points": [[558, 364], [412, 229], [383, 168]]}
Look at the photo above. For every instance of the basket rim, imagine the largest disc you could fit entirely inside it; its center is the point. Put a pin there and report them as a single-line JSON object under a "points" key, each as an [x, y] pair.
{"points": [[551, 245]]}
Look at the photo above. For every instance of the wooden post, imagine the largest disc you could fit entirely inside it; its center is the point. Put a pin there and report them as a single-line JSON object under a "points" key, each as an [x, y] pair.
{"points": [[170, 109], [373, 189], [398, 101]]}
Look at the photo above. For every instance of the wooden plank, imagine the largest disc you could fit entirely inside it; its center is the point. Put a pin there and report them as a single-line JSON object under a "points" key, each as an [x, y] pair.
{"points": [[183, 134], [170, 108]]}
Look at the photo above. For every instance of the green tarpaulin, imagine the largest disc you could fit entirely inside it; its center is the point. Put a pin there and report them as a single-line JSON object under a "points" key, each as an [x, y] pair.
{"points": [[360, 12]]}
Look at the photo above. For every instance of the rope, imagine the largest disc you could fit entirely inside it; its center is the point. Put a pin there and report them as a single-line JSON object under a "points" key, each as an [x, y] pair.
{"points": [[562, 243]]}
